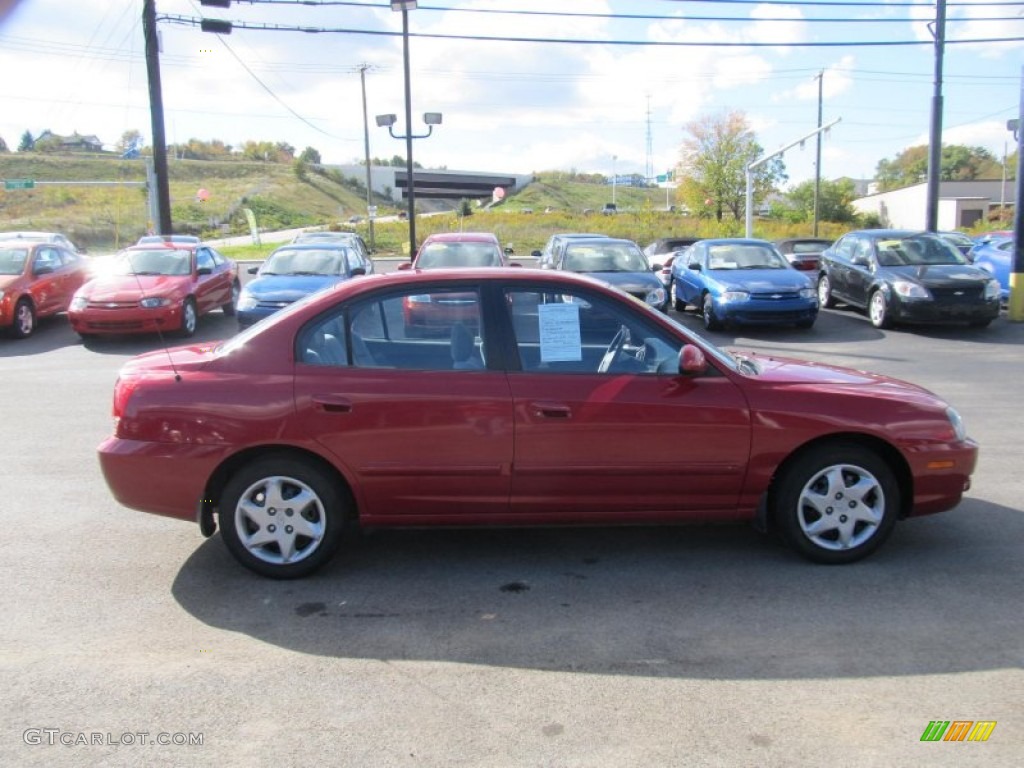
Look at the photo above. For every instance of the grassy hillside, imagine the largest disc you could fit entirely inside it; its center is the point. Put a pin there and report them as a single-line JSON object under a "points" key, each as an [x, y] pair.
{"points": [[111, 215]]}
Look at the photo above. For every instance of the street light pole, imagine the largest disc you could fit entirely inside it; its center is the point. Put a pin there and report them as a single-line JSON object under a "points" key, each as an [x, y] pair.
{"points": [[614, 176], [410, 185]]}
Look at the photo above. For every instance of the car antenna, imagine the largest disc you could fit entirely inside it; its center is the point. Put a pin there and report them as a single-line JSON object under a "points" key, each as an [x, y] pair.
{"points": [[159, 333]]}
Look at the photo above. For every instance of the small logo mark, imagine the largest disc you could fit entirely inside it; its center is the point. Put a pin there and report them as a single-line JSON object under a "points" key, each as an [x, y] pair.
{"points": [[958, 730]]}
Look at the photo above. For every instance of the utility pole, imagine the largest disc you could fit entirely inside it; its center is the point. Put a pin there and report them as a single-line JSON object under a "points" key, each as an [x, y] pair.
{"points": [[366, 147], [935, 135], [156, 112], [1017, 268], [817, 159]]}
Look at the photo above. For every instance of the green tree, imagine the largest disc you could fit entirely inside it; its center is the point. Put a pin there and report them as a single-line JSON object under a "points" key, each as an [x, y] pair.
{"points": [[27, 142], [3, 145], [835, 201], [958, 163], [310, 156], [713, 162]]}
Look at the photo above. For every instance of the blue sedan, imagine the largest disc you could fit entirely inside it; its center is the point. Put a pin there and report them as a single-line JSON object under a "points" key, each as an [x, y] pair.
{"points": [[295, 271], [994, 257], [742, 282]]}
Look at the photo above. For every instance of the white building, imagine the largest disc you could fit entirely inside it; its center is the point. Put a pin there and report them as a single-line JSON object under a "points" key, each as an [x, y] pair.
{"points": [[961, 204]]}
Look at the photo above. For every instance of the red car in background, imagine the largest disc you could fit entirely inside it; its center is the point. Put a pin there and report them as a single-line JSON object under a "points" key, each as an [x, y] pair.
{"points": [[36, 279], [159, 287], [429, 314]]}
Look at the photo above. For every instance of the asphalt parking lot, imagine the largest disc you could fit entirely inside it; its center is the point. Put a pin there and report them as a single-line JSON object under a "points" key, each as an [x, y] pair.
{"points": [[596, 647]]}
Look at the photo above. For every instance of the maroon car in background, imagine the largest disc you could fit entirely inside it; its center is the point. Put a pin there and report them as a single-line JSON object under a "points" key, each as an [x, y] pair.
{"points": [[37, 279], [804, 253], [575, 404], [157, 287], [432, 314]]}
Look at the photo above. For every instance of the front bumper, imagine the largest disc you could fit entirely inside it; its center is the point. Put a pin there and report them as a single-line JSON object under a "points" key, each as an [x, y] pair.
{"points": [[117, 320], [927, 312], [766, 311]]}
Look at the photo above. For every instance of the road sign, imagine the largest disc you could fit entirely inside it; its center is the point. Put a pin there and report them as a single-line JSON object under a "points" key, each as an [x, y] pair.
{"points": [[371, 210], [19, 183]]}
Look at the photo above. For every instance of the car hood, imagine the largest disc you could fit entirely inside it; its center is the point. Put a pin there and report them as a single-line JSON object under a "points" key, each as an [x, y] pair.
{"points": [[760, 280], [819, 376], [933, 275], [289, 287], [630, 282], [132, 287]]}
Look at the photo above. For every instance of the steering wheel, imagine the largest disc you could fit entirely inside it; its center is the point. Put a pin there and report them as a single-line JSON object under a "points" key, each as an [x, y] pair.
{"points": [[614, 347]]}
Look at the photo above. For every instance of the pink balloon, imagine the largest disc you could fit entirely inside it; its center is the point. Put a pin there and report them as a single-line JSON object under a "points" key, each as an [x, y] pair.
{"points": [[203, 195]]}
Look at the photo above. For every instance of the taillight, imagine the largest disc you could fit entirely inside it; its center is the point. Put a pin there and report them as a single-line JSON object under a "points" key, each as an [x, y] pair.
{"points": [[123, 389]]}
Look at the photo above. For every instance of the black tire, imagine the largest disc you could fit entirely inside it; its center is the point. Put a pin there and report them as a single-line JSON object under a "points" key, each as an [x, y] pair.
{"points": [[711, 322], [878, 310], [814, 509], [189, 318], [981, 323], [320, 513], [825, 299], [677, 304], [24, 319], [805, 325], [229, 308]]}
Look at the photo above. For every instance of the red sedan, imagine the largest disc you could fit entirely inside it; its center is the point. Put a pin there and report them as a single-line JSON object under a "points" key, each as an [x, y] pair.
{"points": [[36, 279], [572, 403], [161, 287]]}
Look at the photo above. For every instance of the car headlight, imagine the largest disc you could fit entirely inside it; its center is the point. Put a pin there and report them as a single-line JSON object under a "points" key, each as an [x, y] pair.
{"points": [[910, 290], [152, 302], [735, 296], [247, 301], [993, 290], [957, 423], [78, 303], [808, 293], [656, 297]]}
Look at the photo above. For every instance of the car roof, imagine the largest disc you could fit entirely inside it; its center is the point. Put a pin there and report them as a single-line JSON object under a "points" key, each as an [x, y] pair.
{"points": [[163, 245], [603, 240], [735, 241], [329, 245], [461, 237]]}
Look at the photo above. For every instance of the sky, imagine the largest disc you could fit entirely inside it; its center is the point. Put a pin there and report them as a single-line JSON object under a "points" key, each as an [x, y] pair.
{"points": [[516, 103]]}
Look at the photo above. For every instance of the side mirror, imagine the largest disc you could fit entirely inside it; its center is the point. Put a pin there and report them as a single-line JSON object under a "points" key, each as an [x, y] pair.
{"points": [[514, 264], [695, 267], [358, 272], [692, 361], [536, 254], [657, 267], [405, 265], [42, 270], [253, 270], [204, 271], [509, 250], [859, 260]]}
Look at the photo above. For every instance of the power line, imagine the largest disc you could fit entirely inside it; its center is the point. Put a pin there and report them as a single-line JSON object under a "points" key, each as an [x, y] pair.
{"points": [[642, 16], [265, 27]]}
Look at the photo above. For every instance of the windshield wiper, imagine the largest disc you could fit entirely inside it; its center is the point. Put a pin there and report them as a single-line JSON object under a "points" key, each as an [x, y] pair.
{"points": [[306, 274]]}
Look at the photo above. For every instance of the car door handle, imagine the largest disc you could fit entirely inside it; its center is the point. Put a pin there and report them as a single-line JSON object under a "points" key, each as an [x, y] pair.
{"points": [[551, 410], [333, 403]]}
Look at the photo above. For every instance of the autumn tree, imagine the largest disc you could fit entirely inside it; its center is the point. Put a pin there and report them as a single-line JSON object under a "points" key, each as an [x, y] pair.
{"points": [[713, 162], [130, 140], [958, 163]]}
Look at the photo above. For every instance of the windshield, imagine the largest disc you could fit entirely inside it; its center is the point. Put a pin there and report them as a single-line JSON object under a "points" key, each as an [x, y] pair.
{"points": [[319, 261], [746, 256], [815, 247], [444, 255], [162, 262], [604, 257], [918, 250], [12, 261]]}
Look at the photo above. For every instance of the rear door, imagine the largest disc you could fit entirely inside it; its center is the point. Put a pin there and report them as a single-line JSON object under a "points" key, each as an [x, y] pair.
{"points": [[424, 436]]}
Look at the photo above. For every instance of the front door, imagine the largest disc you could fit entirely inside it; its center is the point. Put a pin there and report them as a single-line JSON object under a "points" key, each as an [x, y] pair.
{"points": [[604, 423]]}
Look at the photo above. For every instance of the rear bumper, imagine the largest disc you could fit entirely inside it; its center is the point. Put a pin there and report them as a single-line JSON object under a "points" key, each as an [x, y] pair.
{"points": [[160, 478]]}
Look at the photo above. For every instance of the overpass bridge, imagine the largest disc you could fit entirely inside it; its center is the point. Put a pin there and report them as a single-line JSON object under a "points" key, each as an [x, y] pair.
{"points": [[431, 184]]}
